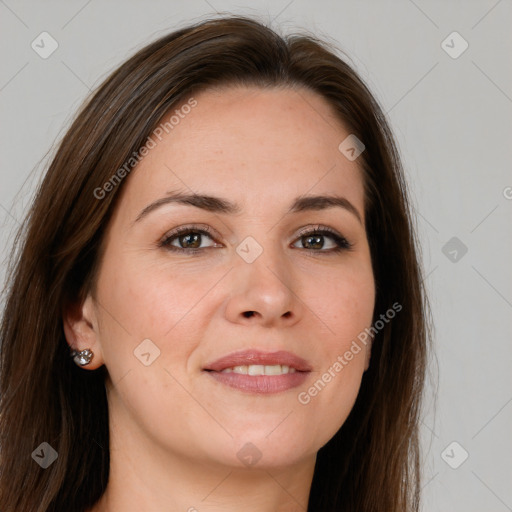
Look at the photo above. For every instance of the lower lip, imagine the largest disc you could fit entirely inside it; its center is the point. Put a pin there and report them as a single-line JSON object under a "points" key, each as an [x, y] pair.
{"points": [[261, 384]]}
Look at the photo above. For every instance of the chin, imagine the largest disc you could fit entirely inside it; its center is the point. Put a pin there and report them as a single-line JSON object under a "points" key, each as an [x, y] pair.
{"points": [[259, 450]]}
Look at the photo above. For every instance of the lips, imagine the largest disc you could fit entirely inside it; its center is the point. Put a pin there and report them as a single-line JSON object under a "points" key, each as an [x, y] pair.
{"points": [[255, 357], [252, 371]]}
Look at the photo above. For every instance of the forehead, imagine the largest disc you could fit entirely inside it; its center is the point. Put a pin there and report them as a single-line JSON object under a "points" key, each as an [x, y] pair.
{"points": [[250, 143]]}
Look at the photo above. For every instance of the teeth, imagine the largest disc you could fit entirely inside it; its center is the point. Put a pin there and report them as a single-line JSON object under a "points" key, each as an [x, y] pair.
{"points": [[256, 369], [259, 369], [275, 369]]}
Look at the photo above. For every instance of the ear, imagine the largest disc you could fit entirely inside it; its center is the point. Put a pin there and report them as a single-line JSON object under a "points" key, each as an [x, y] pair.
{"points": [[81, 329]]}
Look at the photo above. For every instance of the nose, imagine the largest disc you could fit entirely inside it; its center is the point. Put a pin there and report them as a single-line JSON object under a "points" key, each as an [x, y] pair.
{"points": [[261, 294]]}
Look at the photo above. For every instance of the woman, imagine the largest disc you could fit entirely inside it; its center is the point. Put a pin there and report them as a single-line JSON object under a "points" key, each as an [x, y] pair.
{"points": [[223, 245]]}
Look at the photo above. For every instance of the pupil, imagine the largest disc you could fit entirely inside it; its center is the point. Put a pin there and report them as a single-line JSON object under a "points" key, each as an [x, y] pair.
{"points": [[192, 240], [313, 241]]}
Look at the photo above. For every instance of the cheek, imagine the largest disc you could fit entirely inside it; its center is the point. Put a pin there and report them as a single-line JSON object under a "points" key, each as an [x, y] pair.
{"points": [[152, 300], [155, 302], [343, 302], [166, 306]]}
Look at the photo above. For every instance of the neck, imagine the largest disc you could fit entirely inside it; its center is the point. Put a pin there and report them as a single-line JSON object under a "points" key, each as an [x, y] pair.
{"points": [[204, 488]]}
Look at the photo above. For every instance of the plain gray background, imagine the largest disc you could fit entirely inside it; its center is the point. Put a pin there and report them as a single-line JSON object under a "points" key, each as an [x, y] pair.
{"points": [[451, 114]]}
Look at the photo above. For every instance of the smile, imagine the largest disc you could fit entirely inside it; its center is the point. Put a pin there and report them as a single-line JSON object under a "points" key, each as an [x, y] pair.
{"points": [[253, 371], [259, 369]]}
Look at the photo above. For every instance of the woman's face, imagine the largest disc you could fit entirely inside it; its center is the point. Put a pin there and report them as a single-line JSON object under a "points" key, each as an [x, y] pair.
{"points": [[254, 279]]}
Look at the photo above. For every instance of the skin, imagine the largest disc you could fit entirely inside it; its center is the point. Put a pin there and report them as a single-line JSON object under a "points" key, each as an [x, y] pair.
{"points": [[175, 431]]}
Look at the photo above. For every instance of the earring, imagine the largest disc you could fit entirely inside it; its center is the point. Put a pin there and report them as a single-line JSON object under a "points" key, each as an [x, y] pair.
{"points": [[83, 357]]}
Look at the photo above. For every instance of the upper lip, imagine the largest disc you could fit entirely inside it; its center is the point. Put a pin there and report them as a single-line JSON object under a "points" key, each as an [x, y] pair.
{"points": [[250, 357]]}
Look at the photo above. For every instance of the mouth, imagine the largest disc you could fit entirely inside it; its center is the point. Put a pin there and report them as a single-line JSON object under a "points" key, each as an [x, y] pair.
{"points": [[253, 371]]}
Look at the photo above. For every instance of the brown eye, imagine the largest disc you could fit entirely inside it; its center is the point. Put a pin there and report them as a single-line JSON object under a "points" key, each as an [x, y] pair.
{"points": [[322, 240], [192, 241], [188, 239], [312, 241]]}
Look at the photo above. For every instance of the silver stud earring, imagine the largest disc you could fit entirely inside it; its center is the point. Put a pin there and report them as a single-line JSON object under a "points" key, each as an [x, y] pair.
{"points": [[82, 357]]}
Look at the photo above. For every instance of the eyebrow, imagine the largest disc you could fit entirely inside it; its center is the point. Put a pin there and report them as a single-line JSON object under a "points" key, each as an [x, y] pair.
{"points": [[220, 205]]}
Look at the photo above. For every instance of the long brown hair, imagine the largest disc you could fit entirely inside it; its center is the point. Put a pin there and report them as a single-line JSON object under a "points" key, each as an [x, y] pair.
{"points": [[373, 462]]}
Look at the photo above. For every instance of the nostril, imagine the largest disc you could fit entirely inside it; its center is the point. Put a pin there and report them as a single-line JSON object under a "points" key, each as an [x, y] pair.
{"points": [[248, 314]]}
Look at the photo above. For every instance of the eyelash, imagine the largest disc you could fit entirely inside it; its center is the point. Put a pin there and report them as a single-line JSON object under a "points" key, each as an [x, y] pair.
{"points": [[342, 243]]}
